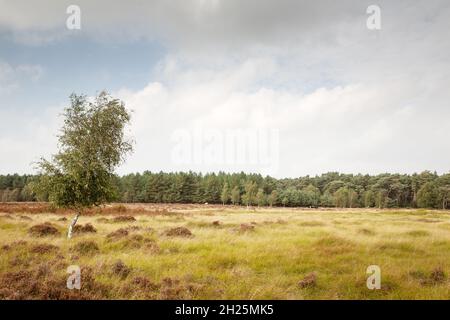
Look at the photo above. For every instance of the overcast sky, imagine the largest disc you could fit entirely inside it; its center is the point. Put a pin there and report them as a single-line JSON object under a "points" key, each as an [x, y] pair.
{"points": [[301, 87]]}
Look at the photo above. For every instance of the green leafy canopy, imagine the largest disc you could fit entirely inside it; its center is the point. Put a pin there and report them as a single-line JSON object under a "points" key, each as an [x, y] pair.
{"points": [[92, 144]]}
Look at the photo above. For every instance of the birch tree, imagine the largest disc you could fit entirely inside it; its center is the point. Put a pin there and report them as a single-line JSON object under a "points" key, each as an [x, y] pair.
{"points": [[92, 144]]}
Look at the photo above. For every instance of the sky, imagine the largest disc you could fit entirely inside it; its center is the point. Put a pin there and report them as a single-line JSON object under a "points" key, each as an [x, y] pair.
{"points": [[286, 88]]}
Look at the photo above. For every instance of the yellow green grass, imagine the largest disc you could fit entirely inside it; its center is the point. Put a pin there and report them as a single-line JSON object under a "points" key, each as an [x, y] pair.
{"points": [[225, 262]]}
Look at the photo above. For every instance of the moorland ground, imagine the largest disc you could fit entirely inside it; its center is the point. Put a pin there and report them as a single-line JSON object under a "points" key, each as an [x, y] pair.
{"points": [[216, 252]]}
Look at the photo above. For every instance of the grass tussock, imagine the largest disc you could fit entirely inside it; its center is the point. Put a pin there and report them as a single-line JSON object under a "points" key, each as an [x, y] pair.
{"points": [[436, 277], [120, 219], [246, 227], [120, 269], [44, 229], [44, 248], [87, 247], [117, 234], [310, 280], [81, 229], [178, 232]]}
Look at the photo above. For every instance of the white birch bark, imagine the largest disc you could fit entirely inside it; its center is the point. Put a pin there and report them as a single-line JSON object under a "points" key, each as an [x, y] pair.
{"points": [[72, 224]]}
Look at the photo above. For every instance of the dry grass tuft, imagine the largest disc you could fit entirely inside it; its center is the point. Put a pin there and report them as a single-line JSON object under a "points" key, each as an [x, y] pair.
{"points": [[42, 230], [120, 269], [124, 219], [310, 280], [435, 277], [44, 248], [118, 234], [85, 248], [87, 228], [245, 227], [178, 232]]}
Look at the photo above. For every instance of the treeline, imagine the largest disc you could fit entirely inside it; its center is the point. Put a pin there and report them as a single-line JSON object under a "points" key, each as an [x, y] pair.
{"points": [[14, 187], [424, 190]]}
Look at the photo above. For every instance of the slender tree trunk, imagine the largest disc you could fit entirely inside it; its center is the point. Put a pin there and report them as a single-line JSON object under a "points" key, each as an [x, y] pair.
{"points": [[72, 224]]}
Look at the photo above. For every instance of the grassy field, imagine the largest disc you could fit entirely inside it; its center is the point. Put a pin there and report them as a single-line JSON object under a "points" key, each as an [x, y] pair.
{"points": [[233, 253]]}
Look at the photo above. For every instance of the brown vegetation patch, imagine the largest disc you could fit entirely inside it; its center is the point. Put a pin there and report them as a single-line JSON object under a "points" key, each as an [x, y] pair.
{"points": [[28, 207], [120, 269], [15, 244], [19, 261], [174, 289], [435, 277], [87, 228], [119, 233], [40, 207], [168, 289], [178, 232], [134, 242], [310, 280], [152, 247], [124, 240], [124, 219], [85, 248], [133, 228], [145, 284], [140, 288], [44, 248], [245, 227], [41, 282], [62, 219], [45, 229], [27, 218]]}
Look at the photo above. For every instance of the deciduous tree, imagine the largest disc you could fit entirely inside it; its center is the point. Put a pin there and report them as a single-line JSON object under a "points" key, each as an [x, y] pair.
{"points": [[92, 144]]}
